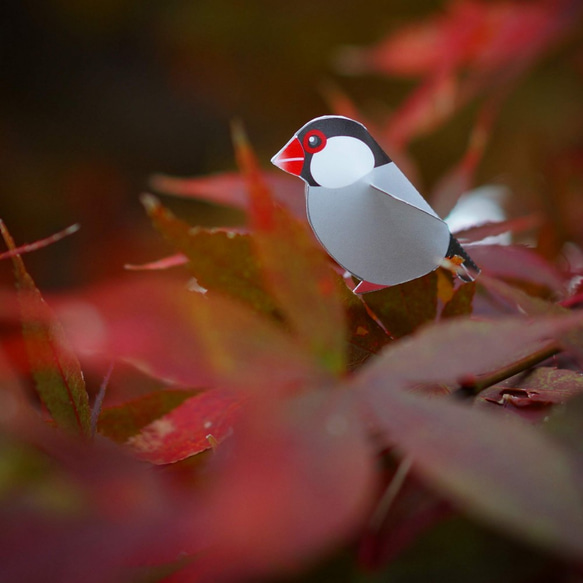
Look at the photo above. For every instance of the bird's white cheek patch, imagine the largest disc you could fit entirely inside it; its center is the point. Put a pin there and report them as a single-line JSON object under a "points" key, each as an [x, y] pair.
{"points": [[342, 162]]}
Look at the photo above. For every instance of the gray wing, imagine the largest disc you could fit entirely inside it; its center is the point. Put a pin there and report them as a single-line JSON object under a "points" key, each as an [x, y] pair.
{"points": [[389, 179]]}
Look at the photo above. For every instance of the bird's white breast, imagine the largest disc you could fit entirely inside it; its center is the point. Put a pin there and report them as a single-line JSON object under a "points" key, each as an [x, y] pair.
{"points": [[343, 161]]}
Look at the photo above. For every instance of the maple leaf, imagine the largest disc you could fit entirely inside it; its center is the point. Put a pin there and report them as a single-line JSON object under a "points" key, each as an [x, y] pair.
{"points": [[56, 370], [194, 425]]}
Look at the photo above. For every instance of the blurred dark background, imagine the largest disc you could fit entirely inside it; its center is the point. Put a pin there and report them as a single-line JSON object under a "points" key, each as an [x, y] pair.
{"points": [[97, 95]]}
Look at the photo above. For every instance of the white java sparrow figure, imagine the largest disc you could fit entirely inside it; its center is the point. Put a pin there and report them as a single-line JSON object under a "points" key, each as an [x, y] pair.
{"points": [[363, 209]]}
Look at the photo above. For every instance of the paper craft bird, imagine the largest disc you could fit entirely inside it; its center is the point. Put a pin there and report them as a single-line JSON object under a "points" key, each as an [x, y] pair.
{"points": [[364, 210]]}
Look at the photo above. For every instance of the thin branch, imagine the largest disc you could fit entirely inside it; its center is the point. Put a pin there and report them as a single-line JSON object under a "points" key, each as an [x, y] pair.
{"points": [[28, 247], [475, 386]]}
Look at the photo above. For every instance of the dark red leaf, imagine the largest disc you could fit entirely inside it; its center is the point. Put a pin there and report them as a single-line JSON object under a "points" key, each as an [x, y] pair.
{"points": [[452, 350], [461, 301], [54, 366], [365, 335], [403, 308], [497, 469], [221, 261], [185, 430], [572, 340], [520, 300]]}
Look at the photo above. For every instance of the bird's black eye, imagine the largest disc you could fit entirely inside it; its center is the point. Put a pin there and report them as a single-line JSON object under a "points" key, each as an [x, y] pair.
{"points": [[314, 141]]}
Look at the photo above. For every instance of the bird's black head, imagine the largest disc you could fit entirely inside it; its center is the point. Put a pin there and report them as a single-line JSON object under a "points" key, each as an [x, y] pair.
{"points": [[331, 151]]}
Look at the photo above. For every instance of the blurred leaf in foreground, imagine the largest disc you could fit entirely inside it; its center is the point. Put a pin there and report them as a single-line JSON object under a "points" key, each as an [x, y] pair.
{"points": [[54, 366], [191, 427], [293, 481], [495, 468], [457, 349], [296, 270]]}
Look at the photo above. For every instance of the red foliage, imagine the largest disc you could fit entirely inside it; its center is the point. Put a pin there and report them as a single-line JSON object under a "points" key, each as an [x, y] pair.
{"points": [[477, 35], [310, 452], [474, 48], [191, 427]]}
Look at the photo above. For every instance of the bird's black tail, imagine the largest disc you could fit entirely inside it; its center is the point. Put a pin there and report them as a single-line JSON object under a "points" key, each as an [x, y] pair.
{"points": [[469, 270]]}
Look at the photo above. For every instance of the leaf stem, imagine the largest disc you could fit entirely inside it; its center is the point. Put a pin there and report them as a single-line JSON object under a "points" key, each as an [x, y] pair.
{"points": [[391, 492], [474, 386]]}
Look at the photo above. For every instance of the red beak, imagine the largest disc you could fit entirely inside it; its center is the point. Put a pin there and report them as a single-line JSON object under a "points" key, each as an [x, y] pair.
{"points": [[290, 158]]}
